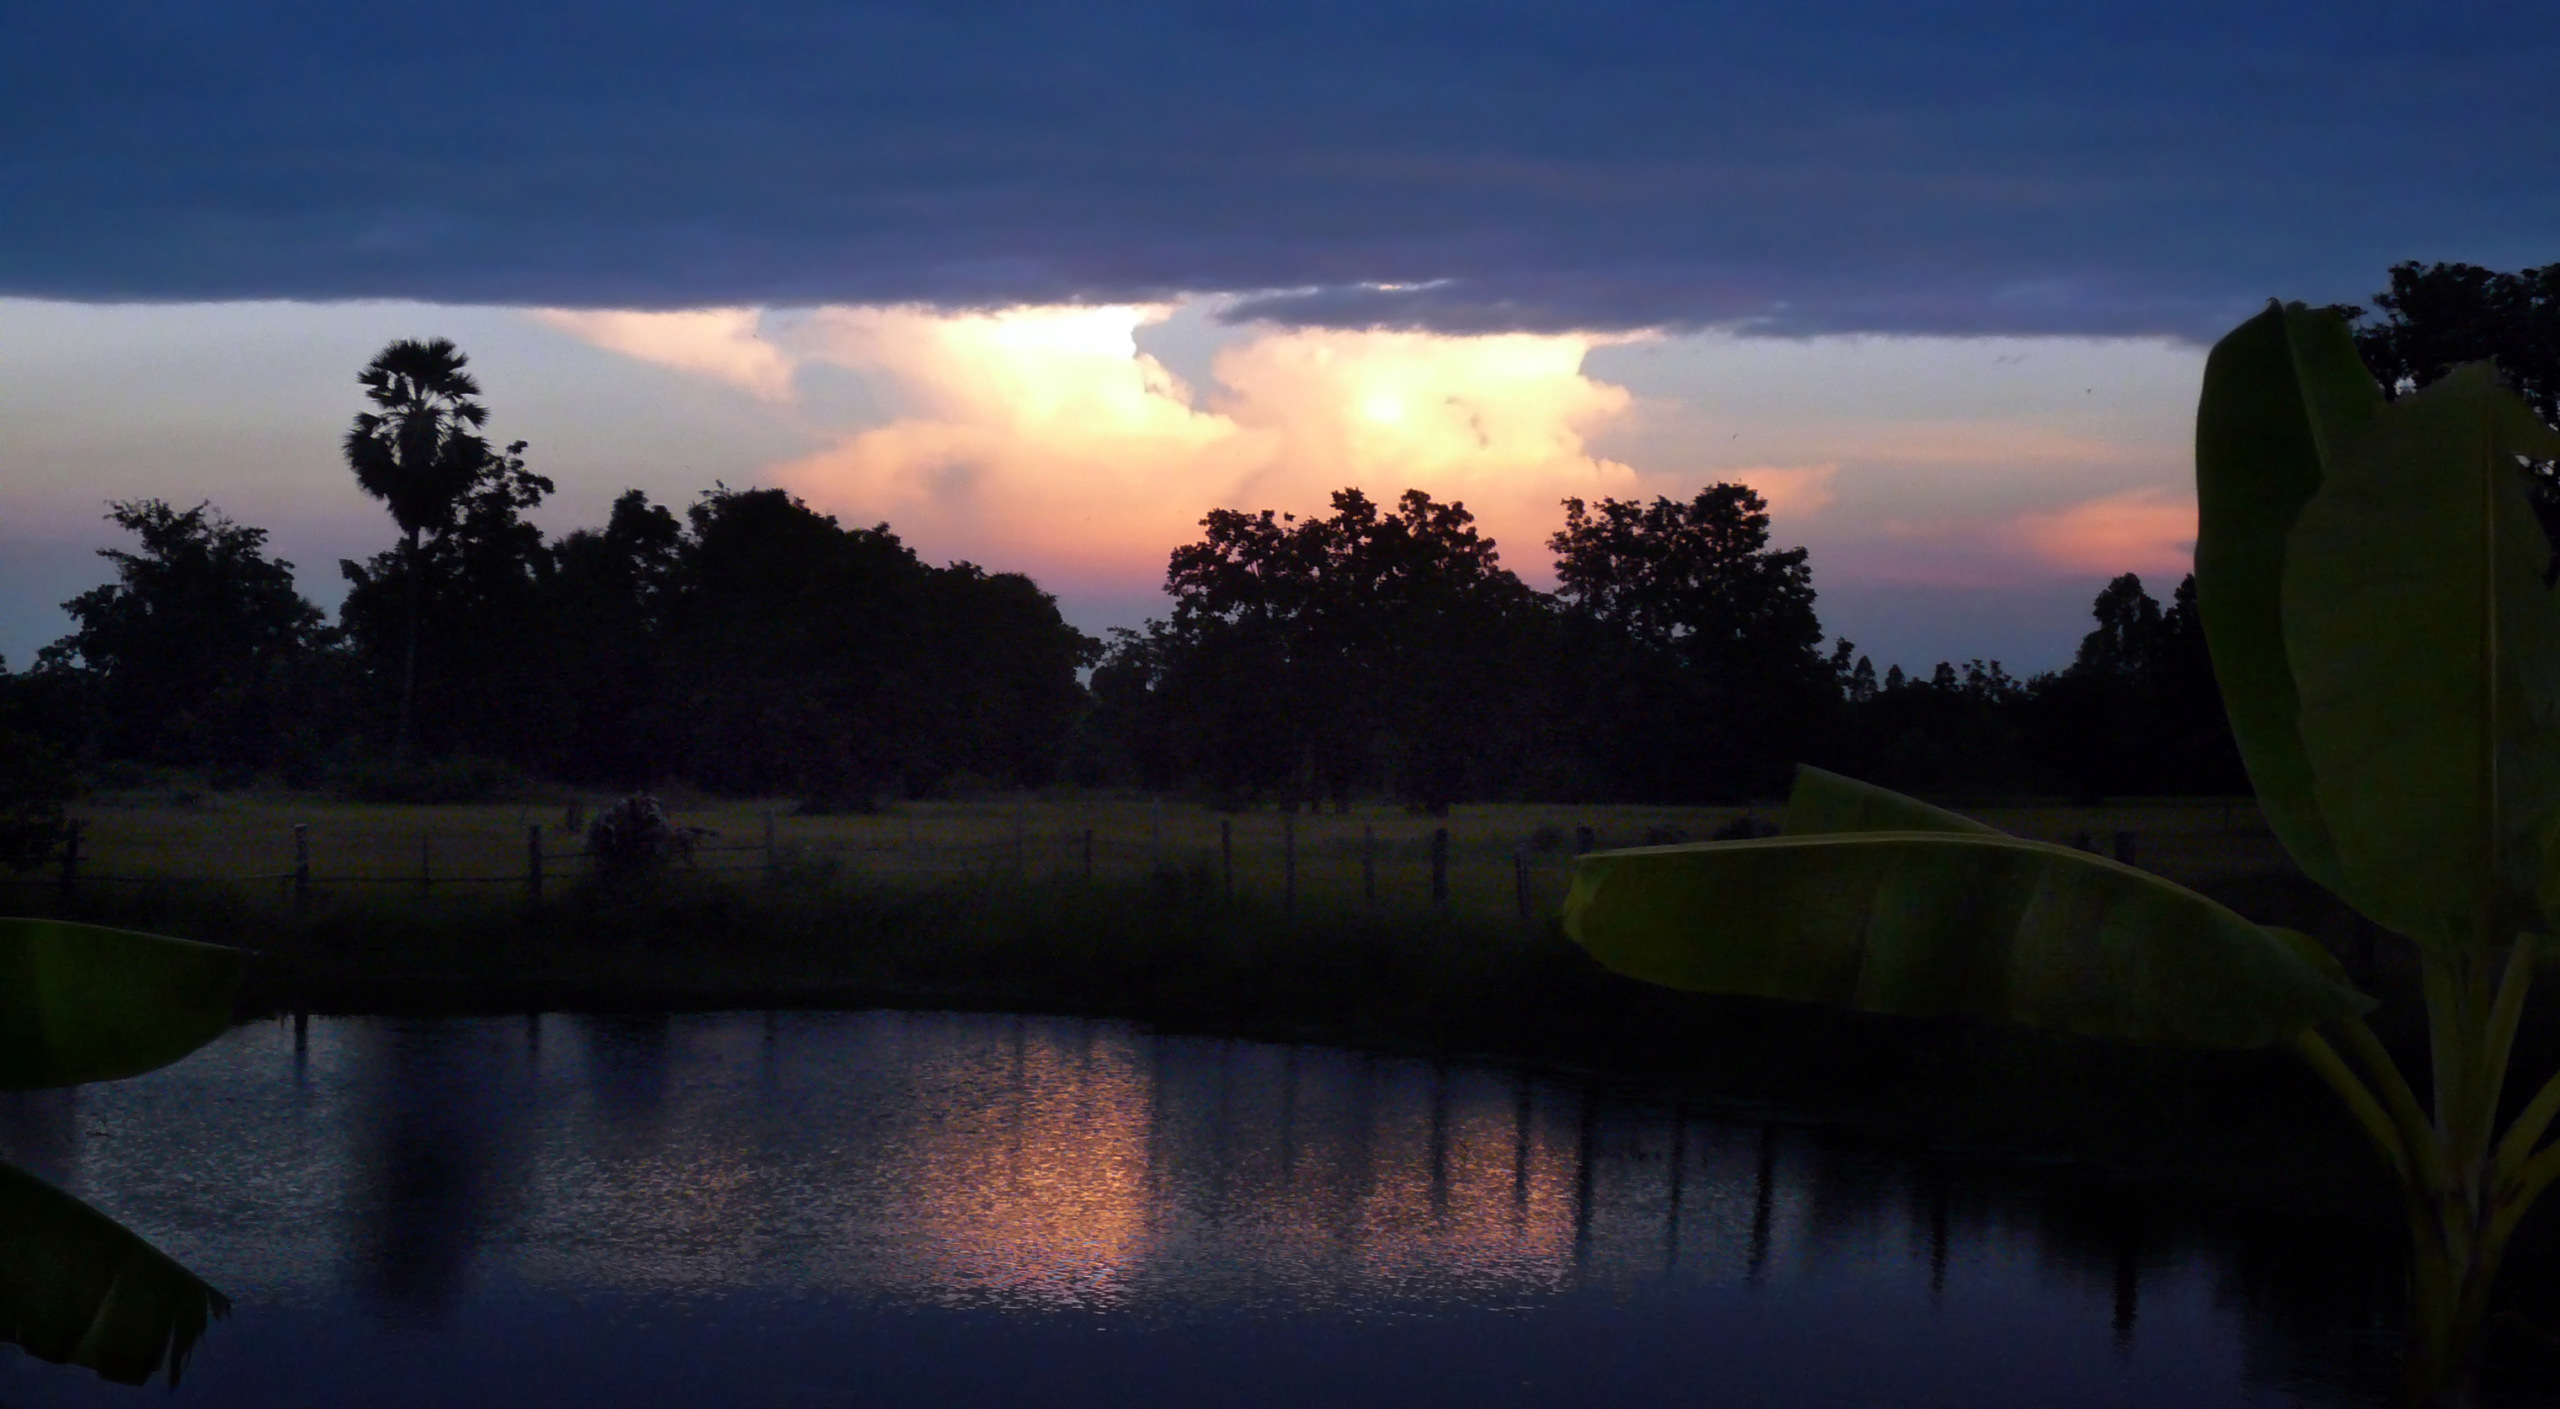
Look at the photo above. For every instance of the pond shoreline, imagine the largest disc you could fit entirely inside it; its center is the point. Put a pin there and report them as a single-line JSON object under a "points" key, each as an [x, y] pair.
{"points": [[1176, 954]]}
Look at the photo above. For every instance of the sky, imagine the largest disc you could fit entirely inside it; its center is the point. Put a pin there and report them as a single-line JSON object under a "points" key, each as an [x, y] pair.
{"points": [[1040, 285]]}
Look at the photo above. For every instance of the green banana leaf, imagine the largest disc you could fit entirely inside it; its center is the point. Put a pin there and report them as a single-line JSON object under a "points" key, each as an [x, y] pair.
{"points": [[86, 1003], [1930, 924], [2371, 579], [2426, 651], [2268, 385], [1823, 802], [78, 1288], [1946, 917]]}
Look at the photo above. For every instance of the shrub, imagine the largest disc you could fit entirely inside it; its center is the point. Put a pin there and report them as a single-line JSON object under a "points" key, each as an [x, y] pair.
{"points": [[635, 837]]}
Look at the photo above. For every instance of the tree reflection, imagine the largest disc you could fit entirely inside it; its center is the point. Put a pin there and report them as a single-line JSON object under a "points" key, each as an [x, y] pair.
{"points": [[439, 1159]]}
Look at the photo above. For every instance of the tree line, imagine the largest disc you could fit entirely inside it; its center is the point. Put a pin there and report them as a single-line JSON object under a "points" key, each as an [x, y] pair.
{"points": [[750, 644]]}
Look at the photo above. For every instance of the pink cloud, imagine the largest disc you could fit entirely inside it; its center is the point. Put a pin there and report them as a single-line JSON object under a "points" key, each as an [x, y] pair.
{"points": [[2150, 531], [2140, 530]]}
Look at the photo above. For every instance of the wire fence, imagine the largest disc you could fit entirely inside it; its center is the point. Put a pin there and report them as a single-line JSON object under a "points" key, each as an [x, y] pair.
{"points": [[1272, 863], [1286, 860]]}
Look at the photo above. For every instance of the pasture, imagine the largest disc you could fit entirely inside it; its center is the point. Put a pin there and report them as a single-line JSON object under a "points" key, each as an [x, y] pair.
{"points": [[1506, 859]]}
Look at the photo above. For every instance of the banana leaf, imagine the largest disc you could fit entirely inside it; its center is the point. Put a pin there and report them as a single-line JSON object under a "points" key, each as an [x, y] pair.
{"points": [[78, 1288], [86, 1003], [2371, 580], [1823, 802], [2268, 387], [2426, 650], [1941, 923]]}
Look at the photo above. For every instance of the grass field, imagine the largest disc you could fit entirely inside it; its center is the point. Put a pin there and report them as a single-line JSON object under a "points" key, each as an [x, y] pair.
{"points": [[1373, 855]]}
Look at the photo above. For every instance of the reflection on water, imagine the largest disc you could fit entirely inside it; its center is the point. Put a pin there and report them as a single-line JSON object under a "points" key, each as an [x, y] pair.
{"points": [[898, 1208]]}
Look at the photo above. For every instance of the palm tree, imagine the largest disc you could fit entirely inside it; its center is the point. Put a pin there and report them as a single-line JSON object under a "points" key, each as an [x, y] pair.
{"points": [[421, 454]]}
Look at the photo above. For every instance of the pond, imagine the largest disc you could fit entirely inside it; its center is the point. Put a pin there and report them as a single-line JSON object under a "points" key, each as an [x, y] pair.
{"points": [[927, 1209]]}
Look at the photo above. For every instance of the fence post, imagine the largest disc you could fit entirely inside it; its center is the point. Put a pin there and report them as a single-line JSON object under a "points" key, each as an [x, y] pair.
{"points": [[301, 866], [1520, 881], [1368, 867], [1088, 856], [1583, 841], [1021, 838], [2124, 847], [772, 859], [1439, 865], [71, 854], [1155, 840], [533, 862], [426, 865], [1288, 863], [1227, 855]]}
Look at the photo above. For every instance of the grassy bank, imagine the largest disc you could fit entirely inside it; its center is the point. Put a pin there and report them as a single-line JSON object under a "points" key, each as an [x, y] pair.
{"points": [[1371, 854]]}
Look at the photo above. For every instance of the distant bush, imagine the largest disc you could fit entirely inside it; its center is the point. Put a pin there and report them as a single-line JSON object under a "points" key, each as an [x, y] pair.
{"points": [[636, 837]]}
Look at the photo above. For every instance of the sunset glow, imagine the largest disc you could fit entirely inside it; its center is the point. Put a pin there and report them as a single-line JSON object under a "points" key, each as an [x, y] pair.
{"points": [[2144, 531], [1083, 444], [720, 343], [1043, 439]]}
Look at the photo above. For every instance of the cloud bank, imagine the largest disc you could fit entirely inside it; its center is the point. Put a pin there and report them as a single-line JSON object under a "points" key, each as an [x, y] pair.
{"points": [[1788, 166], [1043, 438]]}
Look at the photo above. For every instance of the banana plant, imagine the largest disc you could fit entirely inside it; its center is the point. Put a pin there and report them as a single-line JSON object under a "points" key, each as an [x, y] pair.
{"points": [[2371, 576], [81, 1003]]}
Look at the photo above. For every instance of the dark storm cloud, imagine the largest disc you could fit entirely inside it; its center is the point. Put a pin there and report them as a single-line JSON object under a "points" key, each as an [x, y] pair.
{"points": [[1792, 166]]}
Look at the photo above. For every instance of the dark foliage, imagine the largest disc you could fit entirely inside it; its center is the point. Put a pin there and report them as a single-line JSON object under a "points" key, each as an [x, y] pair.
{"points": [[634, 838], [456, 502], [1697, 642], [447, 630], [200, 651], [1372, 648], [800, 656], [2137, 712]]}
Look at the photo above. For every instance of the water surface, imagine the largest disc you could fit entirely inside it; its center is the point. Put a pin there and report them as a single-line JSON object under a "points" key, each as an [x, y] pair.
{"points": [[929, 1209]]}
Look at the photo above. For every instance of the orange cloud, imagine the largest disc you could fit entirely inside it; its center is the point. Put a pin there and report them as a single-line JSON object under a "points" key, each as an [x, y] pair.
{"points": [[1042, 437], [2141, 530], [2150, 531], [1499, 422], [1037, 438], [725, 344]]}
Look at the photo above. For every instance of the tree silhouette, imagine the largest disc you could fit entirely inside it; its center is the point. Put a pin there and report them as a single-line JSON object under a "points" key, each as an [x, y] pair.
{"points": [[421, 453], [188, 655], [1699, 639], [1303, 651]]}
